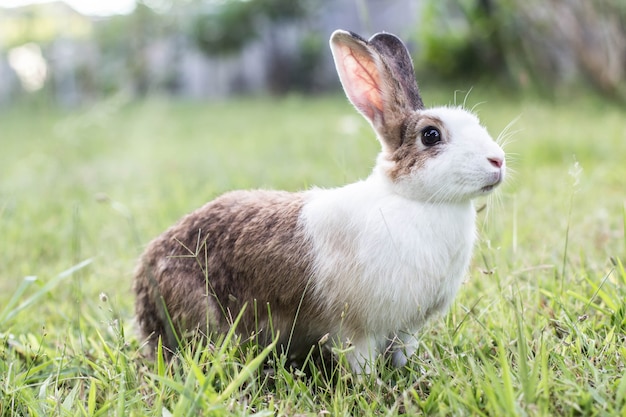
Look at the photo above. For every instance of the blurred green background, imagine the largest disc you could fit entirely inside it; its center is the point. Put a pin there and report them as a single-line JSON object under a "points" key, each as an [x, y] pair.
{"points": [[78, 51]]}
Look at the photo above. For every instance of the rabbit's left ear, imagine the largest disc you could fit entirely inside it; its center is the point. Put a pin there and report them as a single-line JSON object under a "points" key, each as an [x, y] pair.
{"points": [[378, 78], [397, 57]]}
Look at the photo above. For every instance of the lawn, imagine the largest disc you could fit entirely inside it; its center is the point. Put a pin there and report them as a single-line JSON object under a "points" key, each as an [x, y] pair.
{"points": [[539, 328]]}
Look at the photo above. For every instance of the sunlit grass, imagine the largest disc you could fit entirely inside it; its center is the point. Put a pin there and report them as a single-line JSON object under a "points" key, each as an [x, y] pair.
{"points": [[539, 328]]}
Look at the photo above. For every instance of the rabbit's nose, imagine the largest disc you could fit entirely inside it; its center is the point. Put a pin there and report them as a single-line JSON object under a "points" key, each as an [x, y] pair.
{"points": [[496, 162]]}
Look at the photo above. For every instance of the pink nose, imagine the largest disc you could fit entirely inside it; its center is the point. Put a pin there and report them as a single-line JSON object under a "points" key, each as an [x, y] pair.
{"points": [[496, 162]]}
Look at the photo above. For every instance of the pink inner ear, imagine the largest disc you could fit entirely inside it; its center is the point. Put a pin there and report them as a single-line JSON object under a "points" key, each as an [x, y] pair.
{"points": [[361, 81]]}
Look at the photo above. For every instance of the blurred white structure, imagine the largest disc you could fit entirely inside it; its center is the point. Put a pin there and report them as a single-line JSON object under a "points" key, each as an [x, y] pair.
{"points": [[29, 65]]}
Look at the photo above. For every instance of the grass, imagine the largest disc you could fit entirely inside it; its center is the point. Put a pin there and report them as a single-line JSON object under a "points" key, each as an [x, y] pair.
{"points": [[539, 328]]}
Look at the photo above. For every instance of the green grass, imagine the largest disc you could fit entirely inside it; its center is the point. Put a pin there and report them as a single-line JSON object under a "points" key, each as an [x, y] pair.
{"points": [[538, 329]]}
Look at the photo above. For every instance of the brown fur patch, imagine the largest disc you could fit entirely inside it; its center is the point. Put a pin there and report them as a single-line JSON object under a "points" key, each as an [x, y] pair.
{"points": [[244, 248], [412, 154]]}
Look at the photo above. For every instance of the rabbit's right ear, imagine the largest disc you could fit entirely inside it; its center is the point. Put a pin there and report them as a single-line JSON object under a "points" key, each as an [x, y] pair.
{"points": [[378, 78]]}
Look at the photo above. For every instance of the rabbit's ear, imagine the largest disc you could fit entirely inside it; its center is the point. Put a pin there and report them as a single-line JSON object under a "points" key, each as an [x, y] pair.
{"points": [[379, 80], [399, 61]]}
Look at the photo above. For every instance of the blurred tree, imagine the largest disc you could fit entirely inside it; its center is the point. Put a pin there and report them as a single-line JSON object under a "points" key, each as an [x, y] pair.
{"points": [[42, 24], [226, 27], [462, 38], [528, 42], [123, 42], [576, 37]]}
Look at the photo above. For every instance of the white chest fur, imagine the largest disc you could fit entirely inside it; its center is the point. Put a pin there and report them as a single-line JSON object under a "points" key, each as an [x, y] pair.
{"points": [[384, 263]]}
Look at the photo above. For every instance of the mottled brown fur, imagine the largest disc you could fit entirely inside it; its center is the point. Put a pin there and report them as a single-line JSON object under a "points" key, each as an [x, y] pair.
{"points": [[245, 247]]}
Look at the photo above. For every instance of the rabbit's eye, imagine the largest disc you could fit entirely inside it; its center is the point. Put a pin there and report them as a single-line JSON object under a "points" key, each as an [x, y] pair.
{"points": [[431, 136]]}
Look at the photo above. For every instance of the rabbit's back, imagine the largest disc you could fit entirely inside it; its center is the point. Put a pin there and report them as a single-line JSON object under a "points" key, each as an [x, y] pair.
{"points": [[243, 248]]}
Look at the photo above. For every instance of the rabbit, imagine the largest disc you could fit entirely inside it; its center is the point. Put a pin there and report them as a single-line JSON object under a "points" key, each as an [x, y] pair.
{"points": [[364, 265]]}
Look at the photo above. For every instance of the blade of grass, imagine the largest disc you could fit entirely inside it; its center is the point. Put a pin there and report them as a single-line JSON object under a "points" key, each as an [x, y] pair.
{"points": [[524, 373], [247, 372], [91, 397], [620, 395], [507, 380], [8, 314], [26, 282]]}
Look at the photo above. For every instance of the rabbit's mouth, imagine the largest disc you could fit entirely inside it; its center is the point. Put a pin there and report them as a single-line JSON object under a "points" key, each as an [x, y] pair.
{"points": [[490, 187], [496, 181]]}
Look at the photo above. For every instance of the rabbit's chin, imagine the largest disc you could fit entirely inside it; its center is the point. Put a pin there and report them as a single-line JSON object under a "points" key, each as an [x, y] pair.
{"points": [[487, 189], [494, 179]]}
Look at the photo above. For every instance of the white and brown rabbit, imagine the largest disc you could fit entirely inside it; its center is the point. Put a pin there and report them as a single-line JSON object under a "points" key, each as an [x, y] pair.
{"points": [[366, 264]]}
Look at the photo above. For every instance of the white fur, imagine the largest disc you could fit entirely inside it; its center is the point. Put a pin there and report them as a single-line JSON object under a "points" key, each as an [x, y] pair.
{"points": [[388, 255], [407, 262]]}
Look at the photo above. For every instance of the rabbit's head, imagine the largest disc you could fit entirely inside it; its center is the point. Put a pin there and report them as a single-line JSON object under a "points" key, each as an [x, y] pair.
{"points": [[441, 154]]}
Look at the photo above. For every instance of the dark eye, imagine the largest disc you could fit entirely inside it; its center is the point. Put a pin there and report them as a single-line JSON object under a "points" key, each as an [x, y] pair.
{"points": [[431, 136]]}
